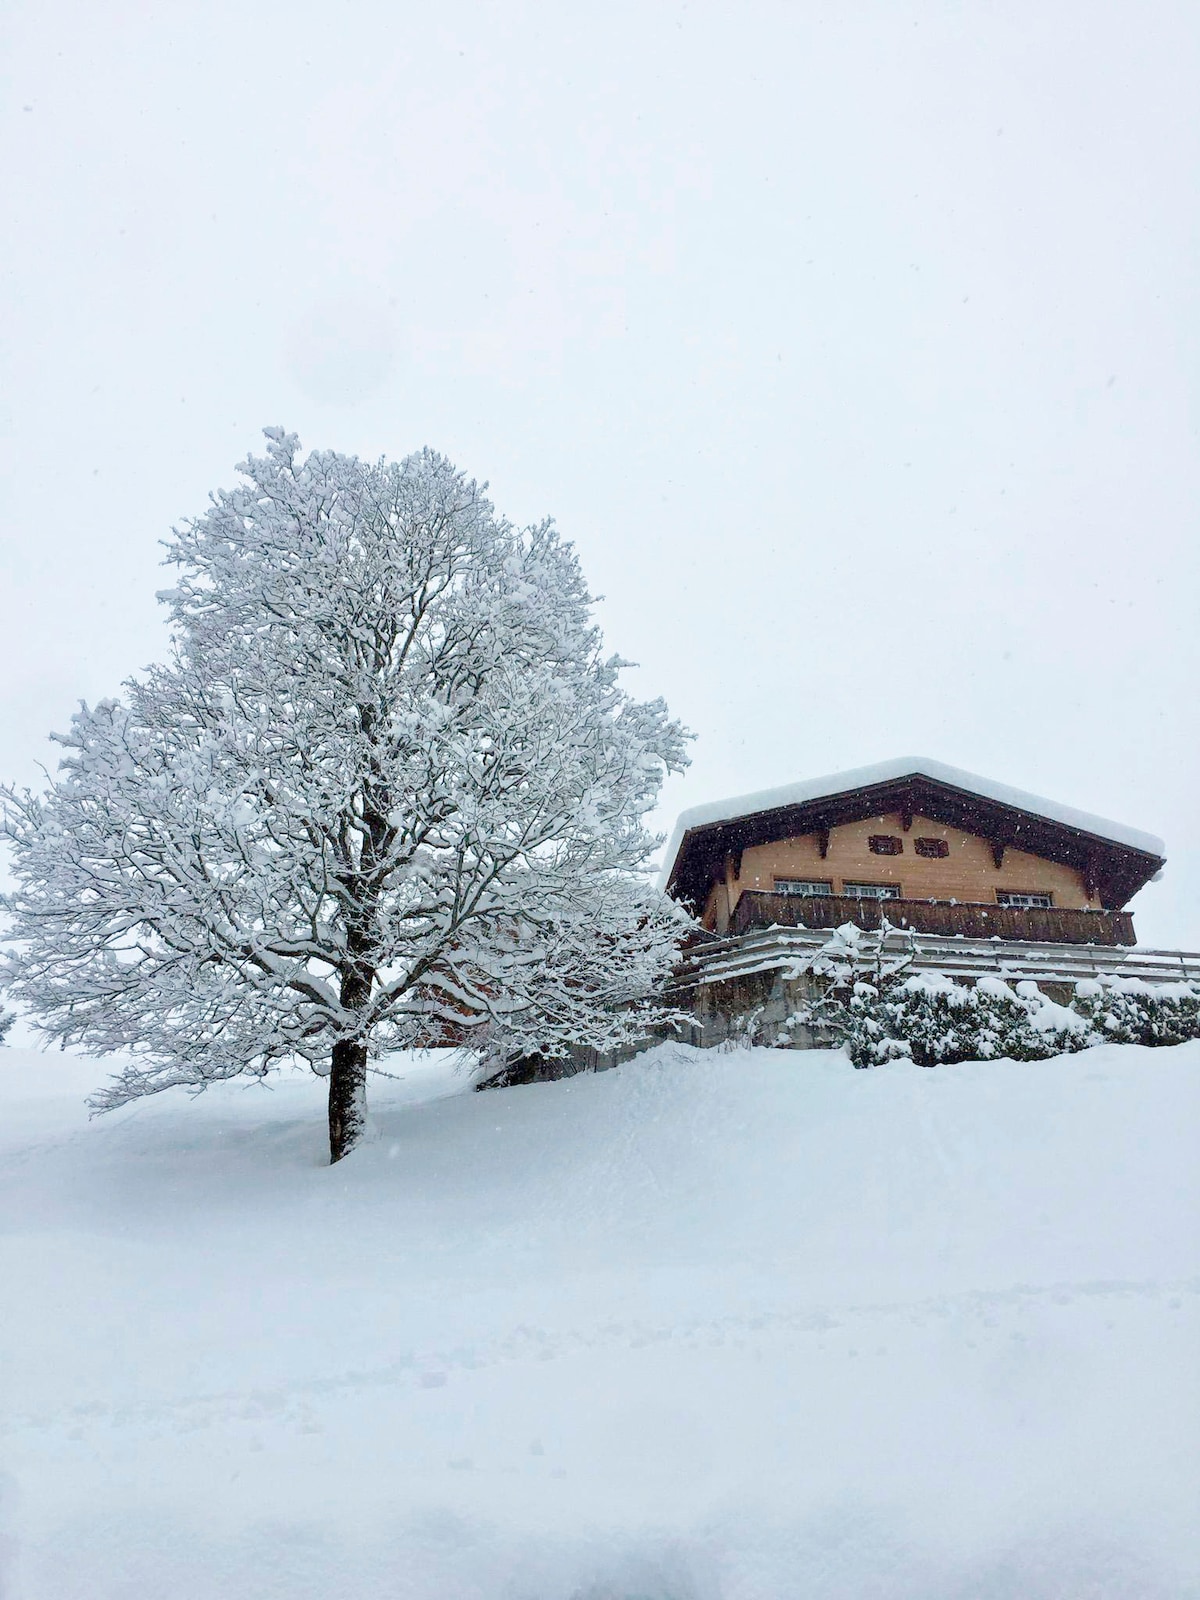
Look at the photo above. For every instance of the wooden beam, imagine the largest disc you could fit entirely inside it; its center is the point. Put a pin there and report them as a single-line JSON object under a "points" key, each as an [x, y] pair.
{"points": [[1091, 885], [823, 842], [906, 821], [998, 848]]}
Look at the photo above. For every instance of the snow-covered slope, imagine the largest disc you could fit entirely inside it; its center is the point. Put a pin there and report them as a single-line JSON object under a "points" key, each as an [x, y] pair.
{"points": [[711, 1327]]}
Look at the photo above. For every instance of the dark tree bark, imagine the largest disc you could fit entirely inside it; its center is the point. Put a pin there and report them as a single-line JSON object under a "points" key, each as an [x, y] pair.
{"points": [[347, 1097], [348, 1069]]}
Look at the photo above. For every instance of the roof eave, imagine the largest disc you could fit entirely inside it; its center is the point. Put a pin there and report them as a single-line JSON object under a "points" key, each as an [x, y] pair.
{"points": [[1124, 868]]}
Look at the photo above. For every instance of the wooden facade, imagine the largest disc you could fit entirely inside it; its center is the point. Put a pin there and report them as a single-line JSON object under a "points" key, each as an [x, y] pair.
{"points": [[940, 856], [842, 855]]}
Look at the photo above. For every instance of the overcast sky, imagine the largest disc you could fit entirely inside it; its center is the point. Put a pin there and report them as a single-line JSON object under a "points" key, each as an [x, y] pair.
{"points": [[856, 347]]}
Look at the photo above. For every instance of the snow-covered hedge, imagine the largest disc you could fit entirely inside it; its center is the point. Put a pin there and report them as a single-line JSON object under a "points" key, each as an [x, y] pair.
{"points": [[880, 1010], [931, 1019], [1128, 1011]]}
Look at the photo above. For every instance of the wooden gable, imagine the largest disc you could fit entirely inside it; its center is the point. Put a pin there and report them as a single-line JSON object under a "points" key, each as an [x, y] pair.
{"points": [[1111, 870]]}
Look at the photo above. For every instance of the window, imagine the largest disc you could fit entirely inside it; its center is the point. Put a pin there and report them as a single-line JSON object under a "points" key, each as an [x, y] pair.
{"points": [[1005, 897], [872, 891], [885, 844], [932, 849], [801, 886]]}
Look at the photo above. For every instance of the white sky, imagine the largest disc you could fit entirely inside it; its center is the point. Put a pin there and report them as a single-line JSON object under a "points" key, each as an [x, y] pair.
{"points": [[855, 346]]}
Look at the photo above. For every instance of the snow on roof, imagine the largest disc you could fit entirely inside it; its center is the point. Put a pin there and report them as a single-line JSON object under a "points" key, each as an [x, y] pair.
{"points": [[793, 794]]}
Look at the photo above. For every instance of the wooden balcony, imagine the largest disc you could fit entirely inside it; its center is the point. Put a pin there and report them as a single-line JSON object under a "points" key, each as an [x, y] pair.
{"points": [[1045, 925]]}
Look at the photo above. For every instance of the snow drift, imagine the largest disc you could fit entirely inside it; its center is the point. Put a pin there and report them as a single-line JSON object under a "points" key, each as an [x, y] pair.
{"points": [[721, 1326]]}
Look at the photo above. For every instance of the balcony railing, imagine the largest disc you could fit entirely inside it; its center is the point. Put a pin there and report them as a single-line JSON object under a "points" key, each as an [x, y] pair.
{"points": [[1048, 925]]}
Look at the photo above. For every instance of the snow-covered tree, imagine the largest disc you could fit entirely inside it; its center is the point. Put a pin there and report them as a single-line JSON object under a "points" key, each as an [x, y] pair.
{"points": [[388, 791]]}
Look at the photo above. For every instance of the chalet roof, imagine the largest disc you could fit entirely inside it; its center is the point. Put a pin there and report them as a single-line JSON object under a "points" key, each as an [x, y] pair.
{"points": [[1120, 858]]}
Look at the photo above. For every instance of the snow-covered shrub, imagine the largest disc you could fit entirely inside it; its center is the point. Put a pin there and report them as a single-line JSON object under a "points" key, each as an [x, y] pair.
{"points": [[930, 1019], [879, 1010], [1129, 1011], [939, 1020], [864, 1028], [858, 973]]}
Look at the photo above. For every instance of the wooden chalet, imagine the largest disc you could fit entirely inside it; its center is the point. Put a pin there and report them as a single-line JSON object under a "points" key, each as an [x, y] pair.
{"points": [[993, 880], [925, 845]]}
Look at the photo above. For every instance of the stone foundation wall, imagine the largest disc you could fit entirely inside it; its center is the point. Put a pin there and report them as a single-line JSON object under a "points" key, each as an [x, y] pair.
{"points": [[758, 1008]]}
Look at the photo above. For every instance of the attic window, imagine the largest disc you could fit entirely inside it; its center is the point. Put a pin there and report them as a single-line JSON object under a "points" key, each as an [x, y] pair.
{"points": [[885, 844], [806, 886], [1005, 897], [934, 849], [871, 891]]}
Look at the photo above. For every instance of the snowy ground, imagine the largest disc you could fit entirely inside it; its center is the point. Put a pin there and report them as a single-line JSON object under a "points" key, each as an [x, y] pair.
{"points": [[712, 1327]]}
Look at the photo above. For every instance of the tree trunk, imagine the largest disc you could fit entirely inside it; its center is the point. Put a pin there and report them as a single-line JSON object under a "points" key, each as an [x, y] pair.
{"points": [[348, 1070], [347, 1097]]}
